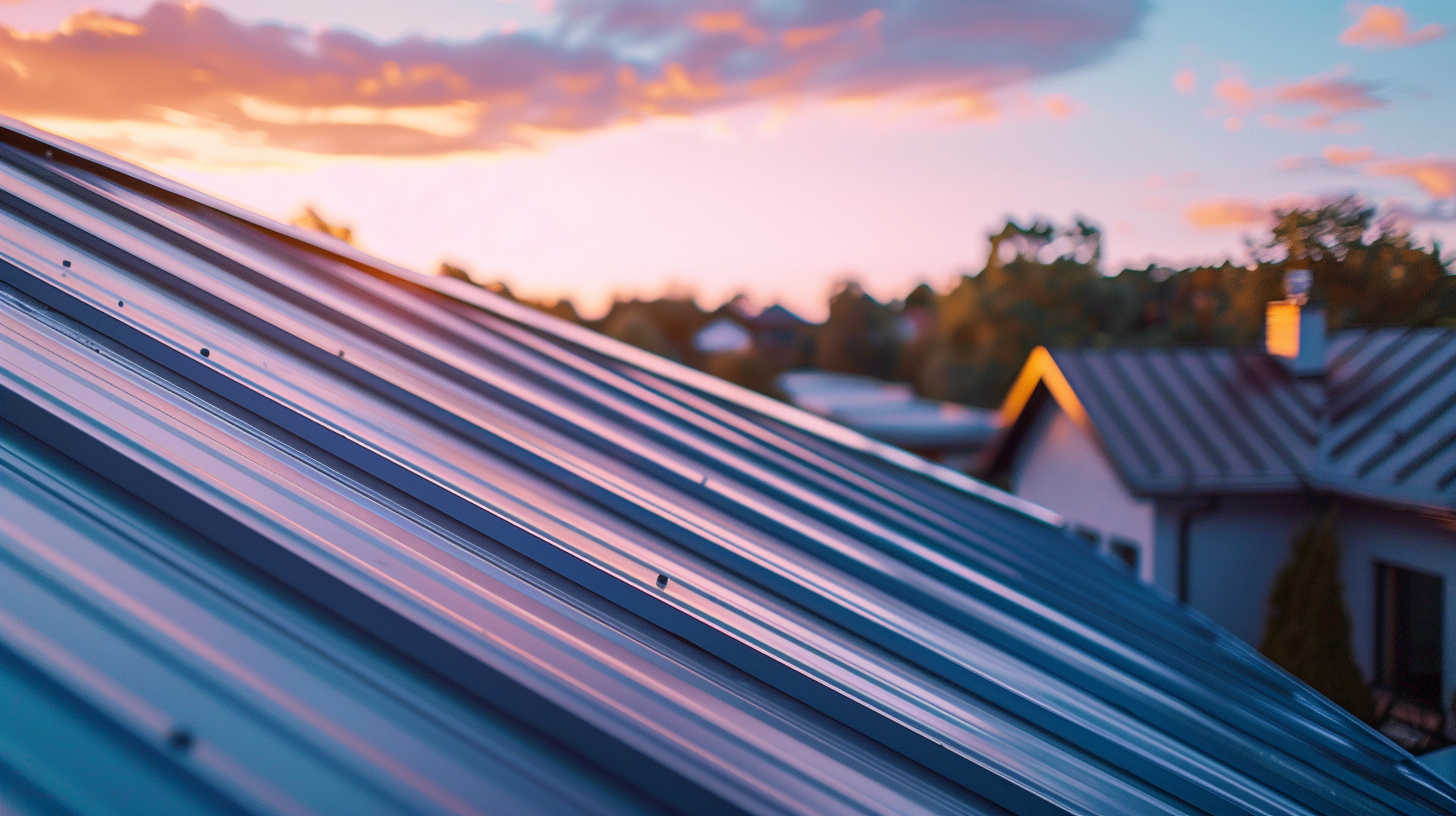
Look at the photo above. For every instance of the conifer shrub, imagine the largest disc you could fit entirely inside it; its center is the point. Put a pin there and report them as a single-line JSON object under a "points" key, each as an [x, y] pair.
{"points": [[1308, 628]]}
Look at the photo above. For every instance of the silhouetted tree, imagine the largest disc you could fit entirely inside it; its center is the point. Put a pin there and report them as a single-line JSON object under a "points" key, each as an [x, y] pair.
{"points": [[1308, 628], [1042, 285], [1367, 272], [859, 336], [634, 323]]}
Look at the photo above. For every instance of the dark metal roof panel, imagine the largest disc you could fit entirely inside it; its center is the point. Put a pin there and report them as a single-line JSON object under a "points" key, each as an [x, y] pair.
{"points": [[225, 687], [1380, 424], [1189, 420], [637, 689], [1392, 411], [690, 596]]}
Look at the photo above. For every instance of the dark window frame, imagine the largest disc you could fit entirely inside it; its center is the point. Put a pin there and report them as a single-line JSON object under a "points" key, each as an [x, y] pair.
{"points": [[1408, 648]]}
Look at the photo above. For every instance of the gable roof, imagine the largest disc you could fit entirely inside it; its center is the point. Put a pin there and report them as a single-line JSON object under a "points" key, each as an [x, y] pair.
{"points": [[393, 544], [1380, 424]]}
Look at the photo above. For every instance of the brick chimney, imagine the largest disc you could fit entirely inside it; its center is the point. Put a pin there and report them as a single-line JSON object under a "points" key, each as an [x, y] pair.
{"points": [[1294, 331]]}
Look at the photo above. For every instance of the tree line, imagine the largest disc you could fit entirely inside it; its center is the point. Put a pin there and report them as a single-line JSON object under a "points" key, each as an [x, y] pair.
{"points": [[1043, 284]]}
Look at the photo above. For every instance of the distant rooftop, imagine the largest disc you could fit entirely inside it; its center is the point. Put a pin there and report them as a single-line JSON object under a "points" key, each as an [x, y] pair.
{"points": [[890, 411]]}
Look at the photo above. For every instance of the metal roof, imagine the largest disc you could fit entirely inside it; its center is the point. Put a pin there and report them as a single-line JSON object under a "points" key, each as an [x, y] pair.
{"points": [[1379, 424], [890, 411], [288, 530]]}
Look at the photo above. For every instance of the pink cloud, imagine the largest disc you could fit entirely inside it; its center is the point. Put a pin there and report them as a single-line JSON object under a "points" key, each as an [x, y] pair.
{"points": [[1062, 106], [1344, 156], [1437, 177], [1227, 213], [337, 92], [1184, 82], [1388, 26], [1330, 96], [1234, 92], [1333, 156]]}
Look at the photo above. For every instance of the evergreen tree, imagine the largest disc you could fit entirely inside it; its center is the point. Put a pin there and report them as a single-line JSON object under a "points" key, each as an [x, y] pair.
{"points": [[1308, 630]]}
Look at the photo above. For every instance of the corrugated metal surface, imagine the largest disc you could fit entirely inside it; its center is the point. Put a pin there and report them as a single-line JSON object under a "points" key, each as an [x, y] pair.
{"points": [[1392, 415], [390, 543], [1379, 424]]}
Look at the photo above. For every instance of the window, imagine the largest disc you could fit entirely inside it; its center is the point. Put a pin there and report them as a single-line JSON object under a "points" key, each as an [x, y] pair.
{"points": [[1127, 553], [1409, 621]]}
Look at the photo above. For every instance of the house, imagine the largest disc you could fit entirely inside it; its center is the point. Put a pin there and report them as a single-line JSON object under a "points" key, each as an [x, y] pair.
{"points": [[287, 529], [722, 336], [783, 338], [1195, 467]]}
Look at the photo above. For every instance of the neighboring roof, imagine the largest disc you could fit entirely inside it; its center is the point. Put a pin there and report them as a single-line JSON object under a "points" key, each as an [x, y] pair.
{"points": [[776, 316], [392, 544], [722, 335], [889, 411], [1380, 424]]}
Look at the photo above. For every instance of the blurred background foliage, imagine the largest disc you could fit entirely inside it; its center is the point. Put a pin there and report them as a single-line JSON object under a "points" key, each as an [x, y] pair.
{"points": [[1043, 284]]}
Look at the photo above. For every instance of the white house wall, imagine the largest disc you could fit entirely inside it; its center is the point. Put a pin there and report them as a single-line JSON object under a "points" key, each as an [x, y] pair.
{"points": [[1063, 468], [1237, 549]]}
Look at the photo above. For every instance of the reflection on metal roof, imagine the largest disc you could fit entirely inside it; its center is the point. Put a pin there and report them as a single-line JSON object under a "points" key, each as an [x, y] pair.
{"points": [[1380, 423], [288, 530]]}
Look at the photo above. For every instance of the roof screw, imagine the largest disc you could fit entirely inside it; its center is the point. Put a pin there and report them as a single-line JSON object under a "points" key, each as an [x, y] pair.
{"points": [[66, 264], [120, 304], [180, 739], [341, 352], [661, 581], [206, 353]]}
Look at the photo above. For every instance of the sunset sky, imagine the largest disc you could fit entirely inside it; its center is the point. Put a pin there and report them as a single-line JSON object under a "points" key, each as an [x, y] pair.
{"points": [[598, 147]]}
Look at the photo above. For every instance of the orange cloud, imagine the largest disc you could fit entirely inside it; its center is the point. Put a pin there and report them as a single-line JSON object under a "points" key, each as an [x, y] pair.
{"points": [[1061, 106], [727, 22], [1388, 26], [191, 67], [1343, 156], [1234, 91], [974, 107], [1184, 82], [1333, 156], [1331, 96], [1437, 177], [1226, 213]]}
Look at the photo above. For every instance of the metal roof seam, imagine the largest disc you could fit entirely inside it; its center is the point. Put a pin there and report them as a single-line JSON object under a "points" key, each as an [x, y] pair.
{"points": [[1283, 452], [1384, 388], [1148, 417], [1165, 387], [1378, 415], [1075, 366]]}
